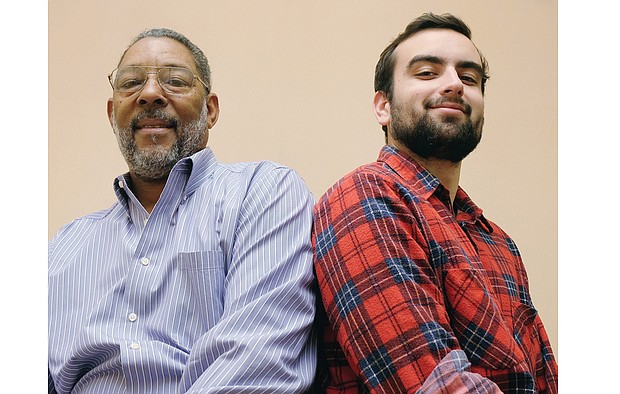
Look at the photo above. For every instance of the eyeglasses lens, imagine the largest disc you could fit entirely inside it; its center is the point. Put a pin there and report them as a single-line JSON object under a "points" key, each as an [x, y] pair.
{"points": [[172, 79]]}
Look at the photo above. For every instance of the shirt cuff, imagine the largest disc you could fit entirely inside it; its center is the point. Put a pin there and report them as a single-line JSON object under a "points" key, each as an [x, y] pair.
{"points": [[452, 375]]}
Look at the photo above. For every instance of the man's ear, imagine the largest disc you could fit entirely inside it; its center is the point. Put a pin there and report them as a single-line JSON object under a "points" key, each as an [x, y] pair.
{"points": [[213, 109], [110, 110], [381, 107]]}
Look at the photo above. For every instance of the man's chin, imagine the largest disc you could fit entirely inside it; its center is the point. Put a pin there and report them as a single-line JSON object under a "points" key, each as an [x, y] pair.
{"points": [[155, 142], [152, 174], [155, 150]]}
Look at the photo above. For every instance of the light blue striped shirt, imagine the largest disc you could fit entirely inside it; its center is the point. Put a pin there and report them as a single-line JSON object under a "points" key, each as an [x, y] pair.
{"points": [[210, 293]]}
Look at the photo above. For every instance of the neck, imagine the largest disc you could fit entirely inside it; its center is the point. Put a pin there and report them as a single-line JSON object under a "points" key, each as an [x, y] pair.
{"points": [[447, 172], [147, 191]]}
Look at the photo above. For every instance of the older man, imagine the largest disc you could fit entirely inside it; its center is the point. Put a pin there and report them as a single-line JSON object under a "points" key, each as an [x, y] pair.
{"points": [[198, 279]]}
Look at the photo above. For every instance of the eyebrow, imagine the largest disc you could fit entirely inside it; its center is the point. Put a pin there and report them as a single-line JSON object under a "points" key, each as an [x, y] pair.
{"points": [[437, 60], [166, 65]]}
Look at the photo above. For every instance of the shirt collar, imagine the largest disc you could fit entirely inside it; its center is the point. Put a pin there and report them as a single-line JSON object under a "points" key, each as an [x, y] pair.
{"points": [[197, 168], [200, 167], [426, 184], [422, 181]]}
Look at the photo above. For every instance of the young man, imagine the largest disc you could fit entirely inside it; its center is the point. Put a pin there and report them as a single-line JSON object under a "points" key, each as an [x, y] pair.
{"points": [[199, 279], [421, 291]]}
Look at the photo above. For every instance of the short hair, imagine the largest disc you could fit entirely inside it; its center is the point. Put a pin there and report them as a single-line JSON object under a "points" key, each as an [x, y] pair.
{"points": [[199, 58], [384, 70]]}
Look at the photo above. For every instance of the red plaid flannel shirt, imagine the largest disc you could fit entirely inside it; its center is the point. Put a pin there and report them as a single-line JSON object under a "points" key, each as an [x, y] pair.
{"points": [[416, 299]]}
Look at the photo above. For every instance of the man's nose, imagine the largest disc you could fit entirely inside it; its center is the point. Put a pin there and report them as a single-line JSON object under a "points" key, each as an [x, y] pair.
{"points": [[452, 83], [152, 93]]}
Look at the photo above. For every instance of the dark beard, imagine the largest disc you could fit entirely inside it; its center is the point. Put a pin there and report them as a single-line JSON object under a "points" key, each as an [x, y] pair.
{"points": [[429, 139]]}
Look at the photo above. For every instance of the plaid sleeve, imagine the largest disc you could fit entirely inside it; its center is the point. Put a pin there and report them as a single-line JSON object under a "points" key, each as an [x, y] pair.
{"points": [[548, 373], [452, 376], [378, 287]]}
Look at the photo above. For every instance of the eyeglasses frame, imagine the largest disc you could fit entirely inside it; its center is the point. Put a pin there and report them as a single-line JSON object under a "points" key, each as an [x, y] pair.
{"points": [[146, 68]]}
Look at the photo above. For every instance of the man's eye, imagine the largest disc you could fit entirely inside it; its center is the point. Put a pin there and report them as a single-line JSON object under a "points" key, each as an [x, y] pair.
{"points": [[177, 82], [130, 83], [425, 74], [469, 79]]}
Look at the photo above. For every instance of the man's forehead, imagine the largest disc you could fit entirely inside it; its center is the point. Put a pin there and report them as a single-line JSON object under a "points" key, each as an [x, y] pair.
{"points": [[158, 51], [445, 44]]}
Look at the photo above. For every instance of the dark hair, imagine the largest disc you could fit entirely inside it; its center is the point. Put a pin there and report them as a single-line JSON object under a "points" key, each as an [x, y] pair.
{"points": [[199, 58], [384, 70]]}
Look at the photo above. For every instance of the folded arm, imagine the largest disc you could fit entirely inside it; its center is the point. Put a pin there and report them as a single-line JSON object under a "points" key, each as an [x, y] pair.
{"points": [[263, 342], [381, 292]]}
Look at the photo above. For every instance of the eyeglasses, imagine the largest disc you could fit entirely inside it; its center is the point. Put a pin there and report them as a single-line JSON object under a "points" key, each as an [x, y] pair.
{"points": [[174, 80]]}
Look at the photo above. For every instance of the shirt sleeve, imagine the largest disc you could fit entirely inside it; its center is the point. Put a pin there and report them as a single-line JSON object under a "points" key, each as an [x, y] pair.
{"points": [[380, 292], [549, 375], [452, 376], [263, 342], [51, 389]]}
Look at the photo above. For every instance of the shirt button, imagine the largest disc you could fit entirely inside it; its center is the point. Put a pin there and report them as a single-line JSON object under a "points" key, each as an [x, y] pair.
{"points": [[145, 221], [144, 261], [132, 317], [120, 184], [134, 345]]}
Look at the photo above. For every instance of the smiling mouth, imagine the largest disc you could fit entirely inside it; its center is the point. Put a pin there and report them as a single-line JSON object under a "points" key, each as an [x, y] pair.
{"points": [[449, 106], [151, 125]]}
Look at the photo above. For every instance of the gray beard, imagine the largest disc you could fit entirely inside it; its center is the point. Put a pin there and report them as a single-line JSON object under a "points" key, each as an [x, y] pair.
{"points": [[156, 162]]}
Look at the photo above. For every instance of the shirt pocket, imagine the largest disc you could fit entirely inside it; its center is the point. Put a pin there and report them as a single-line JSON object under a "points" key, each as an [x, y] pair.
{"points": [[202, 276]]}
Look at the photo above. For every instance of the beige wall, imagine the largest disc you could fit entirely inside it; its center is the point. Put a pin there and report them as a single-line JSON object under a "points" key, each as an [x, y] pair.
{"points": [[295, 84]]}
